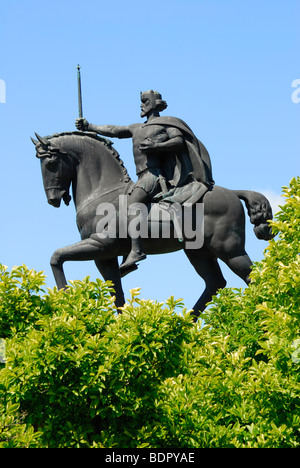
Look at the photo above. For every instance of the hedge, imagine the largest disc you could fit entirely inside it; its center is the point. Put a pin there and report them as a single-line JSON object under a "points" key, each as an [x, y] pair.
{"points": [[78, 375]]}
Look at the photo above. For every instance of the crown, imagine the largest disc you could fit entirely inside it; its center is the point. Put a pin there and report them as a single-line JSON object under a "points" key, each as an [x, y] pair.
{"points": [[151, 93]]}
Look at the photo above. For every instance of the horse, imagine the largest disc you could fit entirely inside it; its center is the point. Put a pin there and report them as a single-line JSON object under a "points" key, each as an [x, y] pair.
{"points": [[93, 168]]}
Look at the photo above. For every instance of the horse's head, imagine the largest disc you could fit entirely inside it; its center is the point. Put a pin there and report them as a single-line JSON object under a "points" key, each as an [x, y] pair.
{"points": [[58, 170]]}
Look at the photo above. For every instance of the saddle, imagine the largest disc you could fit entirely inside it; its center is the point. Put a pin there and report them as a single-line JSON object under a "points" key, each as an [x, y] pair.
{"points": [[188, 194]]}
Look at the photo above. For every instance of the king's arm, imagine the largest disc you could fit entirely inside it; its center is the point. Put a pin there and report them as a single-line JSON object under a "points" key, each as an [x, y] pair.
{"points": [[112, 131]]}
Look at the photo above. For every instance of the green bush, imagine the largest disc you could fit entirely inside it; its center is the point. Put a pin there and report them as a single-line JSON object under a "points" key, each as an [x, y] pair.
{"points": [[77, 374]]}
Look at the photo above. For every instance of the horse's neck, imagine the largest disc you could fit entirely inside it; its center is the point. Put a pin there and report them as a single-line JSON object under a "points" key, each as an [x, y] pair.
{"points": [[99, 173]]}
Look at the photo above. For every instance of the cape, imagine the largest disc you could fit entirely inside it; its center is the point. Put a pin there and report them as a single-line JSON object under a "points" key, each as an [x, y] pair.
{"points": [[193, 160]]}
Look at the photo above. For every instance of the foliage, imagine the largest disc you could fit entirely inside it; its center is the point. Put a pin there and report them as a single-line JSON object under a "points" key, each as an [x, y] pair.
{"points": [[77, 374]]}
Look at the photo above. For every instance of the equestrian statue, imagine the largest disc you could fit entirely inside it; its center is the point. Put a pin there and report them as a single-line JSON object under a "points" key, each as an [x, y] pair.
{"points": [[173, 170]]}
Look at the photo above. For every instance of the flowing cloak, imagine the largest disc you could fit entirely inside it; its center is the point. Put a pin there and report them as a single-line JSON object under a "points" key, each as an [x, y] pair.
{"points": [[191, 163]]}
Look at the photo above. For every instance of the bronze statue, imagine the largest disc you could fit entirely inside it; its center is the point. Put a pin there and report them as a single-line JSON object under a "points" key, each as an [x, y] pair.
{"points": [[167, 156], [172, 166]]}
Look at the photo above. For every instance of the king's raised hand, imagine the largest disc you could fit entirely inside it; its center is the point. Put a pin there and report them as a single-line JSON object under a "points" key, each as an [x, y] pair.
{"points": [[82, 124]]}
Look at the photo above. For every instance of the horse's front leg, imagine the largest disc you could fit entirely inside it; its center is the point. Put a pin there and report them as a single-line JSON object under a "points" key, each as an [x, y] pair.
{"points": [[110, 271], [88, 249]]}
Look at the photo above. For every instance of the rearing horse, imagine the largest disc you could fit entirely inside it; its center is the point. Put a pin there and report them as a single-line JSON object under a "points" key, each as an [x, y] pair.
{"points": [[97, 175]]}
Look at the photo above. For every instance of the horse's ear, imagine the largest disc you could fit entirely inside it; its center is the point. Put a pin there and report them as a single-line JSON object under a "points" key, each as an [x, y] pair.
{"points": [[43, 141], [36, 143]]}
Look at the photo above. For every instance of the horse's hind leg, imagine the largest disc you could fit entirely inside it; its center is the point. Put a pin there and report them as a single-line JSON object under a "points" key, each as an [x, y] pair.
{"points": [[240, 264], [208, 268]]}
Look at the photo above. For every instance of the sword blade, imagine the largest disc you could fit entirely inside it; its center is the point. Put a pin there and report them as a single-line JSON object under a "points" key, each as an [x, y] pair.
{"points": [[79, 93]]}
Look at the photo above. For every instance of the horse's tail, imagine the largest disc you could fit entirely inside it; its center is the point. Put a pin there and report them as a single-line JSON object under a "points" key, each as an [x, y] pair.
{"points": [[259, 211]]}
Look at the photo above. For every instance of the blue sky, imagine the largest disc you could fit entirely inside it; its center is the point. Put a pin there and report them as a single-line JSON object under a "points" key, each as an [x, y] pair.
{"points": [[226, 67]]}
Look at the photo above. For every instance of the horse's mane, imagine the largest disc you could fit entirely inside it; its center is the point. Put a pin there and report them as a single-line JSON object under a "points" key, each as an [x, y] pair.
{"points": [[108, 143]]}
